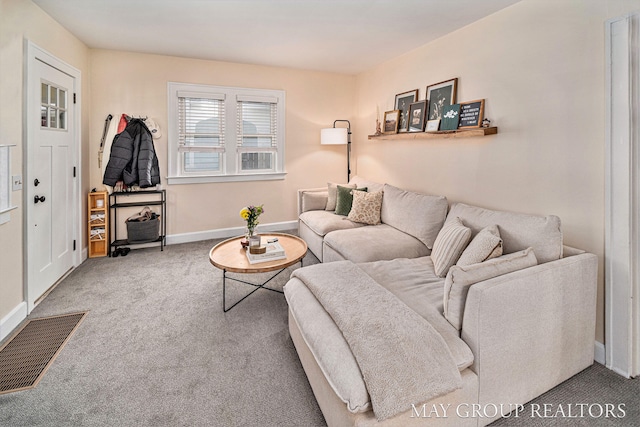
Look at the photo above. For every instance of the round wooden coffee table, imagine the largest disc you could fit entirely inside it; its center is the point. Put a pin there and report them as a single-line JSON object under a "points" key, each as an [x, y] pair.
{"points": [[230, 256]]}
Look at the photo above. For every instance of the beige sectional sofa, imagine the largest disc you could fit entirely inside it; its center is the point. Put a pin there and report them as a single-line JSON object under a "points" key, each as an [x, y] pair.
{"points": [[511, 327]]}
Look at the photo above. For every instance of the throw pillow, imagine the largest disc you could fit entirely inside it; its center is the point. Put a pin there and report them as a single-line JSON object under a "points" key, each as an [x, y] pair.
{"points": [[460, 279], [344, 199], [486, 245], [333, 195], [366, 207], [449, 244]]}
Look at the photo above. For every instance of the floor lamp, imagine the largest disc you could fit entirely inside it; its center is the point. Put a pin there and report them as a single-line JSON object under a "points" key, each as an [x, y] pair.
{"points": [[339, 136]]}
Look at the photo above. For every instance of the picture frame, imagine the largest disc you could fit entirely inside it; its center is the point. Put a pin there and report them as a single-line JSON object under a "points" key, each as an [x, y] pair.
{"points": [[416, 115], [391, 119], [450, 117], [471, 114], [440, 95], [402, 103], [433, 125]]}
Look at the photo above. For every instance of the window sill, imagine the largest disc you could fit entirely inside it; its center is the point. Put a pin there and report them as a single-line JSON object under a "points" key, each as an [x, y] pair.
{"points": [[199, 179]]}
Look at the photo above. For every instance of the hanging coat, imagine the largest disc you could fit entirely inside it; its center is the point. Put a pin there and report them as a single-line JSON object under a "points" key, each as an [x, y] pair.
{"points": [[133, 158]]}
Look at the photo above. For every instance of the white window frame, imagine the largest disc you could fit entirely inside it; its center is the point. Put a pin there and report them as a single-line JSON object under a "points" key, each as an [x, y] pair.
{"points": [[231, 164]]}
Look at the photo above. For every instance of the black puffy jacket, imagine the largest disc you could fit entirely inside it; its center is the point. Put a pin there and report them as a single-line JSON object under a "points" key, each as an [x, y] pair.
{"points": [[133, 158]]}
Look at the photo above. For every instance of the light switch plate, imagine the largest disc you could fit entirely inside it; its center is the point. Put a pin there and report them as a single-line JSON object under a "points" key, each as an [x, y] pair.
{"points": [[16, 182]]}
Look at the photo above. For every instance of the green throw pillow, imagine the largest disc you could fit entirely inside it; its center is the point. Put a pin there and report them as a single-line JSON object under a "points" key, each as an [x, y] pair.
{"points": [[345, 199]]}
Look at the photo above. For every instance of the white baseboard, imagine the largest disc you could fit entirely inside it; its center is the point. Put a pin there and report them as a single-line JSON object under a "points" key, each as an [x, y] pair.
{"points": [[13, 319], [599, 355], [225, 233]]}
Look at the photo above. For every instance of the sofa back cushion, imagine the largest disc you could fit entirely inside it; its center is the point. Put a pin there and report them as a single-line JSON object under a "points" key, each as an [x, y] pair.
{"points": [[416, 214], [518, 231], [361, 182]]}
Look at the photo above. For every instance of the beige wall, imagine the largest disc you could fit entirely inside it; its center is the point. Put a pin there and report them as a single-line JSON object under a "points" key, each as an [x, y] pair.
{"points": [[540, 66], [20, 20], [136, 84]]}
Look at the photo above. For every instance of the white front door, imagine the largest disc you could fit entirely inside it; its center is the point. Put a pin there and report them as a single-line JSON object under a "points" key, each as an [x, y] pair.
{"points": [[50, 177]]}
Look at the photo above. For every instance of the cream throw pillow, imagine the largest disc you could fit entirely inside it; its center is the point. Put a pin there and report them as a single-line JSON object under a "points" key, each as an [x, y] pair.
{"points": [[486, 245], [366, 207], [460, 279], [451, 241], [333, 194]]}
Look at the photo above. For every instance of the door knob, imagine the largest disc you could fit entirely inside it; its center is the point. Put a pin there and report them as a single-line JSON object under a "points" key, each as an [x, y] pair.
{"points": [[37, 199], [36, 182]]}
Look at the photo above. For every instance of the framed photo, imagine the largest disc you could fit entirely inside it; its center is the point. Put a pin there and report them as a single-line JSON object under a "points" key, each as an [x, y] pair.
{"points": [[433, 125], [471, 114], [416, 116], [440, 95], [450, 117], [391, 119], [403, 101]]}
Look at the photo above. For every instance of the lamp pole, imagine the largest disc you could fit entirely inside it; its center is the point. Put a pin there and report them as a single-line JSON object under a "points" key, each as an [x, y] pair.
{"points": [[348, 146]]}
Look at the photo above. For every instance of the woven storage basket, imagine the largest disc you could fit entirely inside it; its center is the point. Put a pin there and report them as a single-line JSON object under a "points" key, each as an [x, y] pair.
{"points": [[143, 231]]}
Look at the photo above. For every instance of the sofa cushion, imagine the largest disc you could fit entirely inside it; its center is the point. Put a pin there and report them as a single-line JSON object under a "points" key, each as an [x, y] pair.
{"points": [[366, 207], [361, 182], [486, 245], [345, 199], [323, 222], [459, 280], [332, 188], [312, 201], [451, 241], [326, 343], [373, 243], [415, 283], [416, 214], [518, 231], [331, 351]]}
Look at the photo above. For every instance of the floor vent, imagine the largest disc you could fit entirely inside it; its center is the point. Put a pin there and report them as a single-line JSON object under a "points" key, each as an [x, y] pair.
{"points": [[27, 355]]}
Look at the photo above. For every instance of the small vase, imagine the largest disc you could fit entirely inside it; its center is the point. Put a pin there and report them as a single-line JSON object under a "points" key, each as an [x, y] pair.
{"points": [[247, 237]]}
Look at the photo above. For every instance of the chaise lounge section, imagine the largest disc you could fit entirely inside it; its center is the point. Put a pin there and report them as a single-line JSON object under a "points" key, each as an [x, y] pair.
{"points": [[514, 325]]}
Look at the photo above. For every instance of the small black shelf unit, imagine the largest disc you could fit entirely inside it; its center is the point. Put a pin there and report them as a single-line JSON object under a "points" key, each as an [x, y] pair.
{"points": [[150, 198]]}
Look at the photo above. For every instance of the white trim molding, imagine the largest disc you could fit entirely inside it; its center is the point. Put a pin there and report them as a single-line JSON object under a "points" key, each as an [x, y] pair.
{"points": [[13, 319], [622, 196], [226, 233], [599, 353]]}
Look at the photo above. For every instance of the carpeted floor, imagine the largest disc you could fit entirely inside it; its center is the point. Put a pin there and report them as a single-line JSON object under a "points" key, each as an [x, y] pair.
{"points": [[156, 349]]}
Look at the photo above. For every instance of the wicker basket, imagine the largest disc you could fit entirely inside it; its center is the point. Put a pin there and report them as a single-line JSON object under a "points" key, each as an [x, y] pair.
{"points": [[143, 231]]}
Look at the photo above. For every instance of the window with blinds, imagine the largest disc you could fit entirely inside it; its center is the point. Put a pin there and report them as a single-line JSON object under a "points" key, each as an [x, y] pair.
{"points": [[257, 142], [218, 134], [201, 125]]}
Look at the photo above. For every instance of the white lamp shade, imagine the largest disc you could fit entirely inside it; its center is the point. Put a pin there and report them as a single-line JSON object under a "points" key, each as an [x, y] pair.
{"points": [[333, 136]]}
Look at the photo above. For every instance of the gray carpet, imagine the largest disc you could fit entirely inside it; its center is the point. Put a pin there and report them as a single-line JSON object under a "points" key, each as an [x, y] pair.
{"points": [[156, 349]]}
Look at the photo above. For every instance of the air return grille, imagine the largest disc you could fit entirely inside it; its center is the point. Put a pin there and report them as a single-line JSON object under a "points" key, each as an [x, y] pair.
{"points": [[28, 354]]}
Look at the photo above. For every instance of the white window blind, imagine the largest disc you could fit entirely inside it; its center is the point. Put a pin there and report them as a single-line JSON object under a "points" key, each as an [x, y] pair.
{"points": [[201, 131], [257, 133]]}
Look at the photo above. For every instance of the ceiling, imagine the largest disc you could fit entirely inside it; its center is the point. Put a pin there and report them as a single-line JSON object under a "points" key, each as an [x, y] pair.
{"points": [[344, 36]]}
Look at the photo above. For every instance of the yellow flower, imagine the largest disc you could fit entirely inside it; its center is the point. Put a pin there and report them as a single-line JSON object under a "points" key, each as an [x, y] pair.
{"points": [[244, 213]]}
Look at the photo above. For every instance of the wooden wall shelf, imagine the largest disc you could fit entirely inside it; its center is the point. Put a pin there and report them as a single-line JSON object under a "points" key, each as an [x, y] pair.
{"points": [[460, 133]]}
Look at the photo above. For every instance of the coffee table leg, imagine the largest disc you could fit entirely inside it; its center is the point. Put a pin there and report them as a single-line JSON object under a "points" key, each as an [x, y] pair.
{"points": [[257, 286], [224, 290]]}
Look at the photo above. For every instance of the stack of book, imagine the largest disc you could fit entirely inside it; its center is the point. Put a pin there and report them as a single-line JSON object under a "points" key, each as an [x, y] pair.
{"points": [[274, 252]]}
